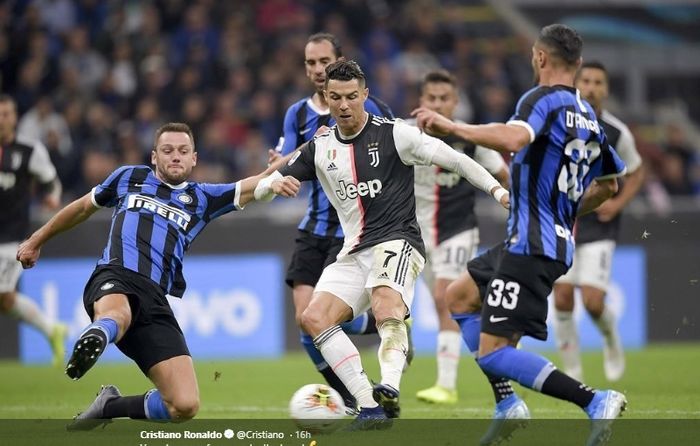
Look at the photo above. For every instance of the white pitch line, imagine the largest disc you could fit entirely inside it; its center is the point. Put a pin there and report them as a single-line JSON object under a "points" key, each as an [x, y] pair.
{"points": [[483, 412], [465, 410]]}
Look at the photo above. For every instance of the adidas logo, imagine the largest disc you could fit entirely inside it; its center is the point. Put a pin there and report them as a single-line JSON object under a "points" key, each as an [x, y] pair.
{"points": [[383, 276], [331, 166]]}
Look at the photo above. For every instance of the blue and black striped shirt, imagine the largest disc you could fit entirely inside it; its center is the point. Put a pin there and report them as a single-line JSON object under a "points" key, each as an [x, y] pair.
{"points": [[301, 121], [568, 149], [154, 223]]}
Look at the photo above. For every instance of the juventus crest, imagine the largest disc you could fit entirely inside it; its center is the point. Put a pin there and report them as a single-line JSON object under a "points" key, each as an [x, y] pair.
{"points": [[373, 151]]}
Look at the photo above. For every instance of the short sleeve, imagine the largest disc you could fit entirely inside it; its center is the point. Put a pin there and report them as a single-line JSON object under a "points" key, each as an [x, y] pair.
{"points": [[288, 141], [489, 159], [608, 164], [302, 165], [531, 112], [413, 145], [627, 150], [378, 107], [221, 199], [40, 164], [106, 194]]}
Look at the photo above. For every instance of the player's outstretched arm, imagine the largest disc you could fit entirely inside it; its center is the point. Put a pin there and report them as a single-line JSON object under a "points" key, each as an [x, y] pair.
{"points": [[597, 192], [75, 213], [504, 138], [475, 173], [265, 187]]}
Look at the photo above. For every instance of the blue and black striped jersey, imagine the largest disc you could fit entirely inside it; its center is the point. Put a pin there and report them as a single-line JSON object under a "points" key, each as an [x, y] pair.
{"points": [[301, 121], [567, 150], [154, 223]]}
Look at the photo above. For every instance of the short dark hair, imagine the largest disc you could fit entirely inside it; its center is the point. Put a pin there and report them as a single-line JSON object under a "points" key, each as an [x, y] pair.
{"points": [[320, 37], [593, 64], [7, 98], [177, 127], [345, 70], [438, 77], [563, 42]]}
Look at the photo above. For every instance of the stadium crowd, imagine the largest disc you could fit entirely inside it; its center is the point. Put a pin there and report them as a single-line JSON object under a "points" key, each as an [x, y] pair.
{"points": [[94, 79]]}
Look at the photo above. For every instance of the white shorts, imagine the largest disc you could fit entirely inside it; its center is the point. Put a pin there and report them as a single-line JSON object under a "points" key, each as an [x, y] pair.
{"points": [[449, 259], [591, 266], [395, 264], [10, 268]]}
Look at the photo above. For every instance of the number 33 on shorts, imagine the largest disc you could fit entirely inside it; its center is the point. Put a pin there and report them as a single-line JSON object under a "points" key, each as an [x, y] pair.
{"points": [[503, 294]]}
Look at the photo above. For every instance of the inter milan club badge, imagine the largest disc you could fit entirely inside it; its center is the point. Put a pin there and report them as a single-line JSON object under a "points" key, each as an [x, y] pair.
{"points": [[185, 198]]}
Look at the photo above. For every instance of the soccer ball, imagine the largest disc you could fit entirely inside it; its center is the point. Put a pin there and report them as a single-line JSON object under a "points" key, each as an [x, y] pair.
{"points": [[316, 408]]}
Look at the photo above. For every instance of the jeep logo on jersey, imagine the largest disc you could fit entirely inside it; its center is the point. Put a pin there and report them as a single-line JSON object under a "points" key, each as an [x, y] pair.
{"points": [[177, 216], [351, 191], [373, 151]]}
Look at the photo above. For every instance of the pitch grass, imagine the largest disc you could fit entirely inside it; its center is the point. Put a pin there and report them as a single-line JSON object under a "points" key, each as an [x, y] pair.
{"points": [[660, 382]]}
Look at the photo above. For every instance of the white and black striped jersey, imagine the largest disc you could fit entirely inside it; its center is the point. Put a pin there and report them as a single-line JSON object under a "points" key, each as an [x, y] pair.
{"points": [[445, 200], [369, 179], [20, 163], [588, 227]]}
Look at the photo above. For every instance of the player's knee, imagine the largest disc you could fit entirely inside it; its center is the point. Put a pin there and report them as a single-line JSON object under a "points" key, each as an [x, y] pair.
{"points": [[462, 297], [7, 302], [387, 304], [594, 307], [184, 408], [311, 321]]}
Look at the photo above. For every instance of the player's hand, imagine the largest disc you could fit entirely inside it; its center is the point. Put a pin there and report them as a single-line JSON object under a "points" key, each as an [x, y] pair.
{"points": [[607, 211], [286, 187], [272, 156], [321, 130], [28, 254], [432, 122], [505, 200]]}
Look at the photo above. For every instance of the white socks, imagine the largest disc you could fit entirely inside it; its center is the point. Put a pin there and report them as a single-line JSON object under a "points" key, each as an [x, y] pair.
{"points": [[568, 344], [392, 351], [449, 344], [344, 359], [606, 322], [26, 310]]}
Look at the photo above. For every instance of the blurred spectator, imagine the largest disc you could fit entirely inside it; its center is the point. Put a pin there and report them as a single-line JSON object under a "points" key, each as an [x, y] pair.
{"points": [[116, 70], [59, 16], [679, 163], [90, 65], [42, 120]]}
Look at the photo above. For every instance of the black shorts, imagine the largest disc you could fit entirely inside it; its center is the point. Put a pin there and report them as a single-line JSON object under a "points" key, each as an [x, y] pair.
{"points": [[154, 334], [514, 290], [311, 254]]}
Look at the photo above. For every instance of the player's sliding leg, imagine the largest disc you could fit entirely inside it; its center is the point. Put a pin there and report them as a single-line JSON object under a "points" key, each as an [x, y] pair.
{"points": [[175, 398], [498, 357], [565, 331], [613, 354], [511, 412], [112, 316], [24, 309]]}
